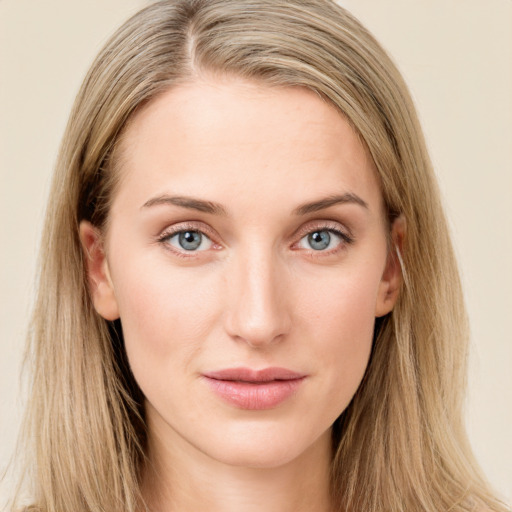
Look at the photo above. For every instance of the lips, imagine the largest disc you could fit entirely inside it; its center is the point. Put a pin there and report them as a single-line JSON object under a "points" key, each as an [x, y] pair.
{"points": [[254, 389]]}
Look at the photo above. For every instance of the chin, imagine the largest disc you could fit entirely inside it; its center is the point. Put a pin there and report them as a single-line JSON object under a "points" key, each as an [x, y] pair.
{"points": [[264, 449]]}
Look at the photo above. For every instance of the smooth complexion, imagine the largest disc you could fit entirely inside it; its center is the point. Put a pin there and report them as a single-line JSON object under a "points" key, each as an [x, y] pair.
{"points": [[247, 238]]}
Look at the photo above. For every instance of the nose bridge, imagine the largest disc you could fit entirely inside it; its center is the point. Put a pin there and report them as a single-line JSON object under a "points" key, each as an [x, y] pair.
{"points": [[257, 312]]}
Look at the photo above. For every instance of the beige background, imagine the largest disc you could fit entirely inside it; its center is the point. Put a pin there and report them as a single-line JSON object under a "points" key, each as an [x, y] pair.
{"points": [[457, 57]]}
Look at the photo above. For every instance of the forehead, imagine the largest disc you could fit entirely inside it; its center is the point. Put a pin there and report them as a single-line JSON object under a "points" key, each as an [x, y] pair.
{"points": [[229, 138]]}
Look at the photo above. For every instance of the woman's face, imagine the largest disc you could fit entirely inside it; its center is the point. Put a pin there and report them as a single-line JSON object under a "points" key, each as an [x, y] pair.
{"points": [[246, 256]]}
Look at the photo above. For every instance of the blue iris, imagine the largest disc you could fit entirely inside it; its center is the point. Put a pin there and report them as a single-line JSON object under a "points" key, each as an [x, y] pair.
{"points": [[190, 240], [319, 240]]}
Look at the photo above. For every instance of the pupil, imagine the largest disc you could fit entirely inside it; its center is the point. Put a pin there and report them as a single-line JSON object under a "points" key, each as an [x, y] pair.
{"points": [[190, 240], [319, 240]]}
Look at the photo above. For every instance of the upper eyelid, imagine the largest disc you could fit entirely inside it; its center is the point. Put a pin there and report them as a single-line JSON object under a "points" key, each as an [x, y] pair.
{"points": [[187, 226], [318, 225]]}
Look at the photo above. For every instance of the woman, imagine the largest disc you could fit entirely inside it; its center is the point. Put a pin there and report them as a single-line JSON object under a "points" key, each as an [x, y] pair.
{"points": [[269, 315]]}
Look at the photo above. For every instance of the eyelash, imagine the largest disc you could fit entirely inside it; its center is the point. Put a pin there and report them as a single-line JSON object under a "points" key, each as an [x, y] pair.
{"points": [[330, 227], [182, 228]]}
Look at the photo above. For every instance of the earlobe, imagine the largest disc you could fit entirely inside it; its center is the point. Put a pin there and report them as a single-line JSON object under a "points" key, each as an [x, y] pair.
{"points": [[391, 281], [98, 275]]}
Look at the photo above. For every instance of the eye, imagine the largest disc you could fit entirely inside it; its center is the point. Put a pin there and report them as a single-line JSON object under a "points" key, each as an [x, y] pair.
{"points": [[323, 240], [189, 241]]}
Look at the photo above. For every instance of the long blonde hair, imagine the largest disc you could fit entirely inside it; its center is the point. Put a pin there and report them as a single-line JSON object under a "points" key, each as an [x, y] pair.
{"points": [[401, 443]]}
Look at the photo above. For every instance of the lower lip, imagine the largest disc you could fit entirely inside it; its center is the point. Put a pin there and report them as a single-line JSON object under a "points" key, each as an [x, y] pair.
{"points": [[255, 395]]}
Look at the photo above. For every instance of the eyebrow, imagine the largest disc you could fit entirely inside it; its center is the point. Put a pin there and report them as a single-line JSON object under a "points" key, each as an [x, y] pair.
{"points": [[187, 202], [327, 202], [217, 209]]}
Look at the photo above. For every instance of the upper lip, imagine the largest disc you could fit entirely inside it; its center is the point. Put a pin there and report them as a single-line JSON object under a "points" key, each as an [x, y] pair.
{"points": [[250, 375]]}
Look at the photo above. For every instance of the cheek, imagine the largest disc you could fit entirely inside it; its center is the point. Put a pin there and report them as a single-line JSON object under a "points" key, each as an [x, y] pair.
{"points": [[165, 313], [342, 323], [342, 304]]}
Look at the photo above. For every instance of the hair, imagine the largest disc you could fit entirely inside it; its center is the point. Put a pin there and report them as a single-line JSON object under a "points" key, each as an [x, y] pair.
{"points": [[401, 444]]}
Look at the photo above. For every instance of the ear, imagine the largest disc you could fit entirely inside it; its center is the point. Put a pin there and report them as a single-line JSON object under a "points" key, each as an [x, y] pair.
{"points": [[389, 286], [98, 275]]}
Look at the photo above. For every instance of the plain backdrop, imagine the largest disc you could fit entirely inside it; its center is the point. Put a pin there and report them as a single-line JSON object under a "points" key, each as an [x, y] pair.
{"points": [[456, 56]]}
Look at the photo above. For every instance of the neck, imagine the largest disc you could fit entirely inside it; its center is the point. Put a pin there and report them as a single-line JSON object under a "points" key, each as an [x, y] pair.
{"points": [[174, 481]]}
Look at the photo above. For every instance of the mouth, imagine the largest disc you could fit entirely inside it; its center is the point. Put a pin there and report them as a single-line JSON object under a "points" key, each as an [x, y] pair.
{"points": [[250, 389]]}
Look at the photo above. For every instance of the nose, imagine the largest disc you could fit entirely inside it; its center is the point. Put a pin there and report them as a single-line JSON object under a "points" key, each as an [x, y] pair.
{"points": [[257, 310]]}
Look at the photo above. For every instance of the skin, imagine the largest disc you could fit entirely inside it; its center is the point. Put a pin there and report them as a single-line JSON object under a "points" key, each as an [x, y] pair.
{"points": [[255, 294]]}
